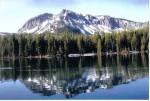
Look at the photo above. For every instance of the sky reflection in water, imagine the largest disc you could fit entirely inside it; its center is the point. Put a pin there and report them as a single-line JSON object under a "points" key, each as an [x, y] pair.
{"points": [[106, 77]]}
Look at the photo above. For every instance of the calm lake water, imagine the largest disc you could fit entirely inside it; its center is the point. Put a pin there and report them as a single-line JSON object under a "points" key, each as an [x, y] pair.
{"points": [[105, 77]]}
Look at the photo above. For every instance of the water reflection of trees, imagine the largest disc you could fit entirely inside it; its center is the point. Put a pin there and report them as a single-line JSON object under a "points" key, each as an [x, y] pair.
{"points": [[72, 76]]}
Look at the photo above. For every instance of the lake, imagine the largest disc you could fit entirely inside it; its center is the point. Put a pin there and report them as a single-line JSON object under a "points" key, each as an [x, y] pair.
{"points": [[93, 77]]}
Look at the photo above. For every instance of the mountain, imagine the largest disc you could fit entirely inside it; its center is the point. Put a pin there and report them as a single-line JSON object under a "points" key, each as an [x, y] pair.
{"points": [[86, 24], [6, 33]]}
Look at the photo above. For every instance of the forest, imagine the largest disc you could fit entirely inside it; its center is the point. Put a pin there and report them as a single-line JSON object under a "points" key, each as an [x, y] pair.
{"points": [[62, 44]]}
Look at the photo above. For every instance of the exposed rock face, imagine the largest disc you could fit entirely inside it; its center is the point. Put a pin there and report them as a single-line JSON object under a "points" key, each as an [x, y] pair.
{"points": [[87, 24], [35, 22]]}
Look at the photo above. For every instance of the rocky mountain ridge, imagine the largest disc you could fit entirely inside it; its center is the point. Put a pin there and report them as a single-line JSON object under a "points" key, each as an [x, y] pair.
{"points": [[86, 24]]}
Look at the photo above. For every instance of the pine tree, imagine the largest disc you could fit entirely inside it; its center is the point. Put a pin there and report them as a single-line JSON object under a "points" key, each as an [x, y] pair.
{"points": [[99, 46], [20, 41], [133, 42], [143, 44], [4, 50], [79, 44]]}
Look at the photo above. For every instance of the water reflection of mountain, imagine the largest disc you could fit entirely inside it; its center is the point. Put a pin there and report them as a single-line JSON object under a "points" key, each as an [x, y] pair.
{"points": [[72, 76], [87, 82]]}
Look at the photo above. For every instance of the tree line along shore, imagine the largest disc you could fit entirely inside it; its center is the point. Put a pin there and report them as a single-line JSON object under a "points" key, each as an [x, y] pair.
{"points": [[51, 45]]}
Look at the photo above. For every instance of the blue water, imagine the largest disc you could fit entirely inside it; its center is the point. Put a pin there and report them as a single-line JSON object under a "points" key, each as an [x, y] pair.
{"points": [[138, 89], [75, 78]]}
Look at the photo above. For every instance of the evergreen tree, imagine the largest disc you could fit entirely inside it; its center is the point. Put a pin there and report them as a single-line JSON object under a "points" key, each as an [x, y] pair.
{"points": [[99, 46], [143, 44], [66, 43], [134, 42]]}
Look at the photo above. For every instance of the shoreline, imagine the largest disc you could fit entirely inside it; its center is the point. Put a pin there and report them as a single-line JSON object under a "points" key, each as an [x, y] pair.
{"points": [[76, 55]]}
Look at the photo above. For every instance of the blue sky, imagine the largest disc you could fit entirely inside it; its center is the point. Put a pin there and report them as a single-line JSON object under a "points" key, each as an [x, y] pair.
{"points": [[14, 13]]}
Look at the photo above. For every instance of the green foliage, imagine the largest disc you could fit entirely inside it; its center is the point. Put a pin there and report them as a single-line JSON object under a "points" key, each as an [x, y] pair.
{"points": [[99, 46], [66, 43]]}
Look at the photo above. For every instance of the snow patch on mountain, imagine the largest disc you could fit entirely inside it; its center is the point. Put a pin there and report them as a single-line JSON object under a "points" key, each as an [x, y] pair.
{"points": [[6, 33], [87, 24]]}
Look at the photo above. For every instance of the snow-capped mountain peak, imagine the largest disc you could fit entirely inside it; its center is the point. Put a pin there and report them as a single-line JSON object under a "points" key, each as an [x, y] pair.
{"points": [[87, 24]]}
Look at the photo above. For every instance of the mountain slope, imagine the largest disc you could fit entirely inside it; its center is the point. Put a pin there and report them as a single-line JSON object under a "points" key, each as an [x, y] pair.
{"points": [[6, 33], [33, 24], [87, 24]]}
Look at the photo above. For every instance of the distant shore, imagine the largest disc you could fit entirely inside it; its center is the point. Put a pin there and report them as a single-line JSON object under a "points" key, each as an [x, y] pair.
{"points": [[106, 53], [77, 55]]}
